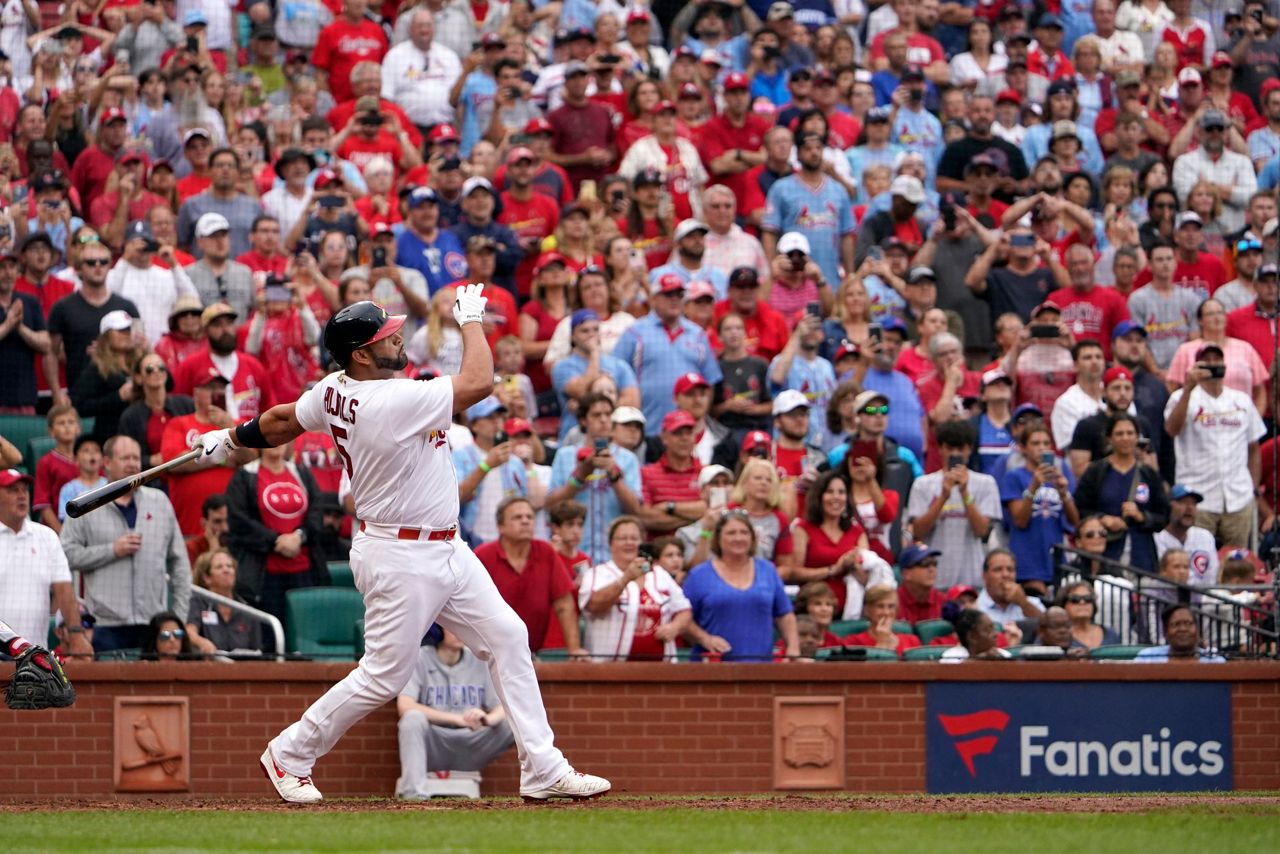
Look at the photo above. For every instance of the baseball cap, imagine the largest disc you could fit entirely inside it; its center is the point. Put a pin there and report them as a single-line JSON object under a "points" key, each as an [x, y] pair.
{"points": [[492, 40], [114, 114], [710, 473], [1212, 119], [879, 114], [1047, 305], [987, 159], [209, 376], [195, 133], [133, 155], [909, 188], [1065, 129], [917, 274], [1010, 95], [380, 228], [736, 80], [326, 178], [118, 321], [516, 426], [688, 382], [1061, 85], [421, 195], [185, 304], [214, 311], [51, 180], [138, 229], [915, 554], [1048, 19], [699, 289], [546, 259], [1027, 409], [846, 349], [573, 68], [443, 132], [892, 323], [1124, 327], [1188, 77], [666, 284], [263, 31], [1187, 218], [677, 419], [684, 52], [744, 277], [477, 182], [1267, 270], [690, 91], [995, 375], [8, 477], [368, 104], [1183, 491], [519, 153], [628, 415], [864, 399], [536, 126], [912, 72], [756, 439], [1209, 347], [710, 57], [689, 226], [1221, 59], [663, 106], [793, 241], [1116, 372], [481, 243], [780, 10], [648, 177], [1128, 78], [955, 591], [194, 17], [210, 224], [788, 401], [637, 15], [581, 316], [485, 408]]}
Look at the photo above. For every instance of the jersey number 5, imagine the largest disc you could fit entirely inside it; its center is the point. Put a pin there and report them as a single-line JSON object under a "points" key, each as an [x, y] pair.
{"points": [[340, 433]]}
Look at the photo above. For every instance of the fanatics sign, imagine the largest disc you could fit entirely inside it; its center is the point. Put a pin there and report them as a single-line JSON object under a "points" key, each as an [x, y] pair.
{"points": [[1078, 737]]}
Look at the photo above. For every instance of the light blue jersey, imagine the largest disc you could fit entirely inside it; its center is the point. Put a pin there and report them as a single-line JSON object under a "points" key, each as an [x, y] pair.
{"points": [[823, 215]]}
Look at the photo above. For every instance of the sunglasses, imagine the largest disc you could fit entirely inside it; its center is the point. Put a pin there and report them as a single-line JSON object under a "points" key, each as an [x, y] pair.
{"points": [[155, 369], [882, 409], [85, 239], [1091, 535], [95, 262], [173, 634], [1081, 600], [927, 564]]}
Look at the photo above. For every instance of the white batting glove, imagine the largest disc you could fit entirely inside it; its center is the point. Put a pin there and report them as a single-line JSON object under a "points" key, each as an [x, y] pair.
{"points": [[469, 306], [218, 446]]}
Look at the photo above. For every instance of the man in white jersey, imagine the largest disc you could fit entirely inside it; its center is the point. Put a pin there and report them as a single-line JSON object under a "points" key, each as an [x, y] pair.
{"points": [[407, 559]]}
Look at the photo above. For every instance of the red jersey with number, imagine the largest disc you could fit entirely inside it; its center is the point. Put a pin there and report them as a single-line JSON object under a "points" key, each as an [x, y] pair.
{"points": [[340, 46], [282, 507], [537, 217], [1091, 316], [188, 491], [317, 453]]}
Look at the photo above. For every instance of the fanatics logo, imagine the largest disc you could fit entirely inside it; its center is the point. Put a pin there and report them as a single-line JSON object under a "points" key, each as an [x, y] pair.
{"points": [[962, 726]]}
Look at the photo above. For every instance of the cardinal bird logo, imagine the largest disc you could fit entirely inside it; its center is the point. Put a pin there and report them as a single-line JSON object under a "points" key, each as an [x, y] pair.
{"points": [[148, 739]]}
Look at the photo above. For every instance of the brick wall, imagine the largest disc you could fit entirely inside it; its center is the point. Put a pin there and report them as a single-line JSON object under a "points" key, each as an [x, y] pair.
{"points": [[649, 727]]}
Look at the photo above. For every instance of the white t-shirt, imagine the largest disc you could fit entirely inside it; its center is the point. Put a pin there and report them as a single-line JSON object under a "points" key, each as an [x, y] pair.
{"points": [[608, 636], [30, 561], [1203, 550], [1074, 405], [1213, 447], [419, 83], [391, 437]]}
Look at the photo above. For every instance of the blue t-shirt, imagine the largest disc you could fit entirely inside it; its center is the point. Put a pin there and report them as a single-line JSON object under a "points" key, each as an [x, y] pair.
{"points": [[441, 262], [823, 215], [597, 495], [861, 157], [74, 489], [1032, 545], [994, 445], [574, 365], [742, 617], [479, 89], [771, 87], [814, 13], [905, 409]]}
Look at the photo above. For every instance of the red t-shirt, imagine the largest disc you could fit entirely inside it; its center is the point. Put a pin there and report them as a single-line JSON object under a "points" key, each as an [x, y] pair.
{"points": [[530, 591], [192, 185], [652, 243], [340, 46], [537, 217], [720, 135], [282, 507], [361, 151], [50, 292], [341, 114], [188, 491], [1091, 316], [53, 471], [789, 461], [103, 208], [1202, 276], [89, 174], [822, 552], [262, 264], [767, 332], [905, 642], [921, 49], [913, 611], [1247, 324], [317, 453], [575, 566], [929, 389], [251, 387], [364, 207]]}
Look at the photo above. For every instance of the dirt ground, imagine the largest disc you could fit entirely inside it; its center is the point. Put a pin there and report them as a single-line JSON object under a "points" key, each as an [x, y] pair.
{"points": [[1264, 804]]}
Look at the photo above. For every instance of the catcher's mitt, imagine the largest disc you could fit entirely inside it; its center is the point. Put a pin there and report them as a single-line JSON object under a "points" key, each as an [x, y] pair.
{"points": [[38, 682]]}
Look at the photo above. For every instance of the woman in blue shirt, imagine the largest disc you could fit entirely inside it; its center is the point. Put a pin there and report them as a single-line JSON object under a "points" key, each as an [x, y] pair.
{"points": [[1039, 509], [738, 599]]}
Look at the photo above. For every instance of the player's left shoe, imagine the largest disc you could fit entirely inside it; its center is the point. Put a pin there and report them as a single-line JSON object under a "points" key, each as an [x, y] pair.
{"points": [[574, 786], [291, 787]]}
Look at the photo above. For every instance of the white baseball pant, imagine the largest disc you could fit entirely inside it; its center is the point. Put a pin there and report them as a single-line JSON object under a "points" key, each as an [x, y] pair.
{"points": [[408, 585]]}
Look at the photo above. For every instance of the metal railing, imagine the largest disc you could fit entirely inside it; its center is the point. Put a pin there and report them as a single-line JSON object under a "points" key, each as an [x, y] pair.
{"points": [[277, 629], [1232, 619]]}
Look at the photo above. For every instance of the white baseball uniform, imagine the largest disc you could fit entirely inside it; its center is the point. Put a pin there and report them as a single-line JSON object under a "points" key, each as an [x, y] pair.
{"points": [[391, 437]]}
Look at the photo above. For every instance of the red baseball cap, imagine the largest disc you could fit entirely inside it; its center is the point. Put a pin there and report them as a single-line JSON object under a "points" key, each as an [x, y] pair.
{"points": [[690, 90], [326, 178], [536, 126], [736, 80], [380, 228], [546, 259], [444, 133], [677, 419], [662, 107], [1269, 85], [516, 426], [1221, 59], [113, 114], [637, 15], [666, 284], [1116, 372], [8, 477], [1009, 95], [688, 382], [519, 153], [956, 591], [756, 439], [1047, 305], [698, 289]]}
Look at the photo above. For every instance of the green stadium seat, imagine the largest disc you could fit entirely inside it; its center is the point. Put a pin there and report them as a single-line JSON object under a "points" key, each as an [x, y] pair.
{"points": [[924, 653], [902, 627], [842, 628], [1117, 652], [20, 430], [558, 653], [340, 574], [358, 640], [37, 448], [928, 630], [319, 622], [867, 653]]}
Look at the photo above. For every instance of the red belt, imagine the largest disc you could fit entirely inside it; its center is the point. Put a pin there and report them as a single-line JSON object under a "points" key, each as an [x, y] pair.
{"points": [[421, 534]]}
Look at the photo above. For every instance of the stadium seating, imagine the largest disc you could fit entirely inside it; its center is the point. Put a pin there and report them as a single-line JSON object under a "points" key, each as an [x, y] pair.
{"points": [[930, 630], [358, 638], [924, 653], [20, 430], [902, 627], [320, 621], [559, 653], [340, 574], [840, 628], [1116, 652]]}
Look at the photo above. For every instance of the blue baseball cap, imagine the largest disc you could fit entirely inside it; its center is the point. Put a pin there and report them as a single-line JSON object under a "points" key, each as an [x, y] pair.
{"points": [[892, 323], [193, 17], [1181, 491], [1048, 19], [1027, 408], [489, 406], [422, 195], [581, 316], [916, 553], [1124, 327]]}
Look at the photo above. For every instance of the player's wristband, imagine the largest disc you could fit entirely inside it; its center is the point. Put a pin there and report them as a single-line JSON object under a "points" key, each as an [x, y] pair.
{"points": [[967, 500], [485, 467], [574, 482], [706, 535], [249, 435]]}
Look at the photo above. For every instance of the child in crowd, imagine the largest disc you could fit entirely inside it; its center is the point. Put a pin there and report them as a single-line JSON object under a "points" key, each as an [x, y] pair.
{"points": [[55, 468], [88, 456]]}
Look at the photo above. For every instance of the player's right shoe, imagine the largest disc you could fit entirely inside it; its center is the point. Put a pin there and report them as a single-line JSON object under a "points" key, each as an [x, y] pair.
{"points": [[291, 787], [574, 786]]}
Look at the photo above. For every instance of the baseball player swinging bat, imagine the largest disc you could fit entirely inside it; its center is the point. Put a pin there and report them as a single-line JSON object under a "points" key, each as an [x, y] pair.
{"points": [[103, 495]]}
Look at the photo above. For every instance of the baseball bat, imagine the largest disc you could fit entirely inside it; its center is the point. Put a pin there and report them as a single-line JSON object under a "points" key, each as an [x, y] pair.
{"points": [[95, 498]]}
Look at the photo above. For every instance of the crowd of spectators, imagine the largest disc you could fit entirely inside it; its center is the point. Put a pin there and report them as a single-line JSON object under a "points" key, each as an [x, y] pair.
{"points": [[803, 314]]}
